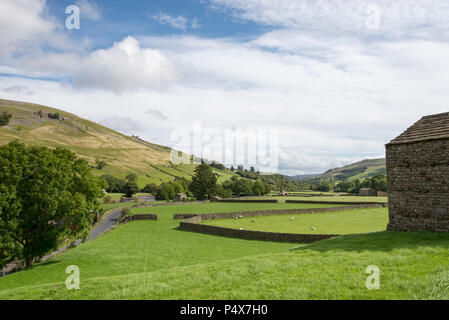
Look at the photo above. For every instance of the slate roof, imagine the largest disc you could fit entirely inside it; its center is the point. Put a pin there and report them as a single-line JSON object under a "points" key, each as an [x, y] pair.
{"points": [[433, 127]]}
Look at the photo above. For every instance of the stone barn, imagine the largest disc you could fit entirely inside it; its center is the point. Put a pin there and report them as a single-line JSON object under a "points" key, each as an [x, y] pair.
{"points": [[418, 176]]}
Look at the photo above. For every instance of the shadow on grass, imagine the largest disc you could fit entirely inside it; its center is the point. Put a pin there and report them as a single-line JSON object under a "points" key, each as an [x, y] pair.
{"points": [[380, 241]]}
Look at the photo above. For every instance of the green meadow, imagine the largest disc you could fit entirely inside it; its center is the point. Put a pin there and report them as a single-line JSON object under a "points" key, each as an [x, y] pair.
{"points": [[155, 260], [338, 222]]}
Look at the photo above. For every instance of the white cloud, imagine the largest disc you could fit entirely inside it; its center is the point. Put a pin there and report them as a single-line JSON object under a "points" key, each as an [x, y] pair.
{"points": [[89, 10], [397, 17], [124, 66], [19, 89], [23, 24], [178, 22]]}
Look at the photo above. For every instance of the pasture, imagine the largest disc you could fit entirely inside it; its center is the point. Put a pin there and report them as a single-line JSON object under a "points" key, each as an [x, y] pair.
{"points": [[155, 260], [339, 222]]}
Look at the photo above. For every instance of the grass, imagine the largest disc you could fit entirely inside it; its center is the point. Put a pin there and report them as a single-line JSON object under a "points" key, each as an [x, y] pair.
{"points": [[140, 261], [339, 222], [137, 247], [337, 198], [215, 207], [155, 260]]}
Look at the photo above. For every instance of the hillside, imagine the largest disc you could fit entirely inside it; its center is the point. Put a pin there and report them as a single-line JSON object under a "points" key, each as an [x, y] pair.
{"points": [[37, 125], [355, 171]]}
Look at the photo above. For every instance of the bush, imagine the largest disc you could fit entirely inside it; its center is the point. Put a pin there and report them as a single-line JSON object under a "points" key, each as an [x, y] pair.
{"points": [[108, 199], [100, 164], [125, 212], [55, 116], [4, 119]]}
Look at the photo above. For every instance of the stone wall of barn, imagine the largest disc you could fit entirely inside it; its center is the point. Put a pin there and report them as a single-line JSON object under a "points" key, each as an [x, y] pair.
{"points": [[418, 186]]}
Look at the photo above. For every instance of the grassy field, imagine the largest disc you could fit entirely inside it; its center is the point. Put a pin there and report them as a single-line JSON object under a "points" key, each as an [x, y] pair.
{"points": [[155, 260], [337, 198], [215, 207], [339, 222]]}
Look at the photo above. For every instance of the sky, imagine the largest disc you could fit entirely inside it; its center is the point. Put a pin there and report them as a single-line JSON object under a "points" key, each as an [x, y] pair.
{"points": [[320, 83]]}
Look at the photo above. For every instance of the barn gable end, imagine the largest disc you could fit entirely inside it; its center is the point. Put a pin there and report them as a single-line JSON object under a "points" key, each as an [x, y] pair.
{"points": [[418, 176]]}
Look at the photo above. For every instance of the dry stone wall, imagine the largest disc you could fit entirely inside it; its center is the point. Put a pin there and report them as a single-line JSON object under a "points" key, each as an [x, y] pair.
{"points": [[230, 215]]}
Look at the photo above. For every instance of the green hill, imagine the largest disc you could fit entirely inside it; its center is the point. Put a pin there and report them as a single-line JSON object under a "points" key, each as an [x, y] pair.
{"points": [[41, 125], [355, 171]]}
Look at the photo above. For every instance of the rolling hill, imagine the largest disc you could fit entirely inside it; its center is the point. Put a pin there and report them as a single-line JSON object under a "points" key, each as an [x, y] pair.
{"points": [[355, 171], [41, 125]]}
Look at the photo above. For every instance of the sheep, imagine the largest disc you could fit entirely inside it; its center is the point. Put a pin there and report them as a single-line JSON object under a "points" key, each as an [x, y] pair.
{"points": [[292, 218], [254, 220], [313, 228]]}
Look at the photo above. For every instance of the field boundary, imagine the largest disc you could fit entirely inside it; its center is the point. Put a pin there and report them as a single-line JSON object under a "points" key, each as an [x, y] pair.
{"points": [[248, 201], [384, 204], [147, 216], [193, 224], [255, 213]]}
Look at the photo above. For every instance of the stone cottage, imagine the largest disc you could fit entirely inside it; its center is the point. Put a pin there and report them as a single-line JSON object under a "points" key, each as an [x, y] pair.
{"points": [[418, 176], [180, 197]]}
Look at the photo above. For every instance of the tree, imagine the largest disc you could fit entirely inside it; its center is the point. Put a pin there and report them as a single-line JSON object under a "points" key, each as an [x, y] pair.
{"points": [[258, 188], [4, 119], [203, 183], [166, 192], [114, 184], [100, 164], [252, 169], [150, 188], [130, 189], [131, 177], [46, 197], [55, 116]]}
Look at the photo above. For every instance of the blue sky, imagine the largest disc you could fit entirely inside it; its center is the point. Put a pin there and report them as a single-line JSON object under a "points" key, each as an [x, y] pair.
{"points": [[333, 80]]}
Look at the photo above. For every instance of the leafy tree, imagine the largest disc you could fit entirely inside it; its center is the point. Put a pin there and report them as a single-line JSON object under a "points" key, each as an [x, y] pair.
{"points": [[4, 119], [46, 197], [130, 189], [150, 188], [55, 116], [259, 188], [100, 164], [114, 184], [166, 192], [223, 192], [204, 182], [131, 177], [252, 169]]}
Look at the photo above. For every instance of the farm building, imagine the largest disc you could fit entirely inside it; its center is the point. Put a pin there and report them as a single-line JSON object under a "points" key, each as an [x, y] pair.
{"points": [[180, 196], [368, 192], [418, 176]]}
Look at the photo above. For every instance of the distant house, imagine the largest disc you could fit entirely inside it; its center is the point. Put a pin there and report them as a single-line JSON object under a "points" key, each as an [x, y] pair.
{"points": [[418, 176], [368, 192], [180, 196], [283, 193]]}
